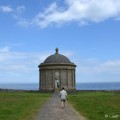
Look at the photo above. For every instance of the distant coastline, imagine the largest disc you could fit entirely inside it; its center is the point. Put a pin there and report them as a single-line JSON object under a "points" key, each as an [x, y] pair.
{"points": [[98, 86], [37, 91], [79, 86]]}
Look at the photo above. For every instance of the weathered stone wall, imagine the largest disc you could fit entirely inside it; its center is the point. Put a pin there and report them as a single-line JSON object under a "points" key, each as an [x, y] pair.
{"points": [[65, 74]]}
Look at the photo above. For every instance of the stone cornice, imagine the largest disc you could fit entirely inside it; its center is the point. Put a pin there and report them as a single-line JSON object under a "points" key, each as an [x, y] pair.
{"points": [[57, 67], [56, 64]]}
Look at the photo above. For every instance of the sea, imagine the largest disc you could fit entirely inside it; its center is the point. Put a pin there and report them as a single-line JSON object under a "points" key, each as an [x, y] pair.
{"points": [[79, 86]]}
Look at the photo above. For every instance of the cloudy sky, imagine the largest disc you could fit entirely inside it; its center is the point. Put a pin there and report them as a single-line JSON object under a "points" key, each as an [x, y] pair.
{"points": [[86, 31]]}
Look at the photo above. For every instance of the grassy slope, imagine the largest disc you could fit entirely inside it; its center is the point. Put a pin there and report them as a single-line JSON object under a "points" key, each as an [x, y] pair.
{"points": [[20, 105], [97, 105]]}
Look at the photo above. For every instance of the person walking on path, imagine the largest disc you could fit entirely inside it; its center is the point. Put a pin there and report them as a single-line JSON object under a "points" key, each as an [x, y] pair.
{"points": [[51, 110], [63, 97]]}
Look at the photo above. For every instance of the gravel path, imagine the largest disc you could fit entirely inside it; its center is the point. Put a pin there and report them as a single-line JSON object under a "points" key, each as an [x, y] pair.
{"points": [[52, 110]]}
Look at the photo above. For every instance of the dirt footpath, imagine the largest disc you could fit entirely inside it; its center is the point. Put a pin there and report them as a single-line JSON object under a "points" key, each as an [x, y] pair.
{"points": [[52, 110]]}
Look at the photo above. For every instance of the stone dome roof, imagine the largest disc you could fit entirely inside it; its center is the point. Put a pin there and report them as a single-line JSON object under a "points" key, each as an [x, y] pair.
{"points": [[57, 58]]}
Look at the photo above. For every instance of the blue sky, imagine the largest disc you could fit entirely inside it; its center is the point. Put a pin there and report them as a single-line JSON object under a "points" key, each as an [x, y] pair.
{"points": [[87, 32]]}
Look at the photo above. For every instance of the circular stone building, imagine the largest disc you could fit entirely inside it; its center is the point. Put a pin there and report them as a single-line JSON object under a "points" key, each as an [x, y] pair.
{"points": [[55, 72]]}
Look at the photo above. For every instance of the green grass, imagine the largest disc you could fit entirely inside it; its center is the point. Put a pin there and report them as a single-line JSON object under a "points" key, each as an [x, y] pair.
{"points": [[97, 105], [20, 105]]}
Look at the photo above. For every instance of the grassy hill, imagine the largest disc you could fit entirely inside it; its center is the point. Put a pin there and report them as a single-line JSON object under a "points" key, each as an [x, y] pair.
{"points": [[97, 105], [20, 105]]}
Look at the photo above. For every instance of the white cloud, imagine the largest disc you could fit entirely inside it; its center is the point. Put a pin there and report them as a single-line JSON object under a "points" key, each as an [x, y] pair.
{"points": [[16, 13], [3, 55], [97, 67], [18, 61], [81, 11], [21, 9], [9, 9], [20, 66], [109, 66], [5, 49], [93, 70], [6, 9], [23, 22]]}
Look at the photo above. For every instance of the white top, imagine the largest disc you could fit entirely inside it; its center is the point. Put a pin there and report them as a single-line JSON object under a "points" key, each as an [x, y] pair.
{"points": [[63, 94]]}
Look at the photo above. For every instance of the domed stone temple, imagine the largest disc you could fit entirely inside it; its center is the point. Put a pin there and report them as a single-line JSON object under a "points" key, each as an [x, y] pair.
{"points": [[55, 72]]}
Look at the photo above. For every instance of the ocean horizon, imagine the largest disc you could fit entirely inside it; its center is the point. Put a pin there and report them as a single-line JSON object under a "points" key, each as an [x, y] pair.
{"points": [[79, 86]]}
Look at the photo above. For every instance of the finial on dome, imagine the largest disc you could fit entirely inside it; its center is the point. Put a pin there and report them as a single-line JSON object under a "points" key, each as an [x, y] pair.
{"points": [[56, 50]]}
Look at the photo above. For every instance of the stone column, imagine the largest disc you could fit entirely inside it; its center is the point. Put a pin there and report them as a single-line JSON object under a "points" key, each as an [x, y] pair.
{"points": [[45, 80], [72, 77], [67, 78], [60, 77], [53, 82], [40, 79]]}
